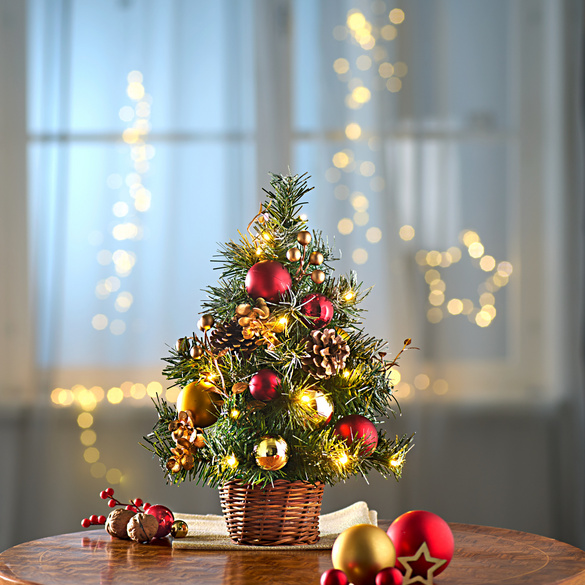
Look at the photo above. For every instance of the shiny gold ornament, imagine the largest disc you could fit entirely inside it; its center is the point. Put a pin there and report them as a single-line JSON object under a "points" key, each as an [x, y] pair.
{"points": [[316, 258], [317, 276], [206, 322], [271, 453], [304, 238], [293, 254], [179, 529], [361, 551], [201, 400], [196, 352], [317, 406]]}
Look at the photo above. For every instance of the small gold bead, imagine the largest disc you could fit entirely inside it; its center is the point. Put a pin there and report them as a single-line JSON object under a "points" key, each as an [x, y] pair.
{"points": [[304, 238], [293, 254], [196, 352], [317, 276], [206, 322], [316, 258]]}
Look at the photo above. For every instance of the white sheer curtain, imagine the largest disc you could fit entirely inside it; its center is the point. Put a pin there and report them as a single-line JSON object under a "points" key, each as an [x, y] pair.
{"points": [[152, 127]]}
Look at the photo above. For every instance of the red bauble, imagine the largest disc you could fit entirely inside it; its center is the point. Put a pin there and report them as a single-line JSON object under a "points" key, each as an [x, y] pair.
{"points": [[268, 279], [411, 530], [334, 577], [165, 519], [319, 307], [264, 385], [389, 576], [355, 427]]}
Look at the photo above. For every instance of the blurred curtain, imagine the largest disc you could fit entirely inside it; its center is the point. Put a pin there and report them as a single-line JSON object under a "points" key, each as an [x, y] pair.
{"points": [[442, 142]]}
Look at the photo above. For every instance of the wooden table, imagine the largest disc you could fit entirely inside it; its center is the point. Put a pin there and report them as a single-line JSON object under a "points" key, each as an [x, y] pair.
{"points": [[482, 556]]}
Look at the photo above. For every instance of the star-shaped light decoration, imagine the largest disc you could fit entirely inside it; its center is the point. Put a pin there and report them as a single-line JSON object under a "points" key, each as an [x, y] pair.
{"points": [[420, 567]]}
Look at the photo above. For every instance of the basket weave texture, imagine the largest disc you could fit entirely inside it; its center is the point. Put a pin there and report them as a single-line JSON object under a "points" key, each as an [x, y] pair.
{"points": [[285, 513]]}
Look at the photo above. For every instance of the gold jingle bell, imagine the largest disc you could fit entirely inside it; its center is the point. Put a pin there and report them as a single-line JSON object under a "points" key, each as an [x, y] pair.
{"points": [[361, 552], [318, 406], [271, 453], [201, 399], [179, 529]]}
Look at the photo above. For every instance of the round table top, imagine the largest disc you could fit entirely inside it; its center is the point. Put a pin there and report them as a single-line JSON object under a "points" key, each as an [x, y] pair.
{"points": [[482, 556]]}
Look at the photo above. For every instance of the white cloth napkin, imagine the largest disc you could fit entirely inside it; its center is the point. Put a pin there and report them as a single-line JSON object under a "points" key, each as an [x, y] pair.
{"points": [[209, 531]]}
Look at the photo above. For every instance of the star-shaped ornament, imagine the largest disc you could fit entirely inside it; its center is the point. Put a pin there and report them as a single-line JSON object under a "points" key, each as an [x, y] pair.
{"points": [[421, 567]]}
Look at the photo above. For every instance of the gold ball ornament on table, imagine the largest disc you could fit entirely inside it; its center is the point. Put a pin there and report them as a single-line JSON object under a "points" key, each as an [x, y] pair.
{"points": [[271, 453], [202, 401], [361, 552], [293, 254], [304, 238], [316, 258], [206, 322], [179, 529], [317, 276]]}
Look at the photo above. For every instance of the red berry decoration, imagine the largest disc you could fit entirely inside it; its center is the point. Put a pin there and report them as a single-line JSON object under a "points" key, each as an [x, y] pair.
{"points": [[389, 576], [264, 385], [86, 522], [319, 307], [334, 577], [424, 544], [165, 519], [268, 279], [354, 427]]}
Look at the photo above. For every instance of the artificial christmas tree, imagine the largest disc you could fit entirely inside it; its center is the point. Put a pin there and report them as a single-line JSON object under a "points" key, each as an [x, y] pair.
{"points": [[283, 389]]}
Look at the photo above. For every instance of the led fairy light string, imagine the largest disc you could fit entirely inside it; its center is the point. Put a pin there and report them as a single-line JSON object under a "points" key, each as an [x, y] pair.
{"points": [[498, 275], [373, 40], [87, 399], [127, 227], [127, 210]]}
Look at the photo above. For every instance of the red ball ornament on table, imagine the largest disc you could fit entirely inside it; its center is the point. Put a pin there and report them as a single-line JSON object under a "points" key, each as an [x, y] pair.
{"points": [[268, 279], [354, 427], [264, 385], [413, 529], [319, 307], [389, 576], [334, 577], [165, 519]]}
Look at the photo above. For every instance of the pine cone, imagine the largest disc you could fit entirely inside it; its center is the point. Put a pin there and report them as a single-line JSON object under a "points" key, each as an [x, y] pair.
{"points": [[229, 335], [326, 353]]}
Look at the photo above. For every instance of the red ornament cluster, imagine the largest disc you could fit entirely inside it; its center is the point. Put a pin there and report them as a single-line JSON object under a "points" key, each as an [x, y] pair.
{"points": [[424, 547], [163, 514]]}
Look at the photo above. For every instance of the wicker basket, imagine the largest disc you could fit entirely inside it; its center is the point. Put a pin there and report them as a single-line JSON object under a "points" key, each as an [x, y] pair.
{"points": [[286, 513]]}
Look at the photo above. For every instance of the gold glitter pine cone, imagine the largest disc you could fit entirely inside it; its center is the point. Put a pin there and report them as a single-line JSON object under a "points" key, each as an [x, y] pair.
{"points": [[326, 354], [229, 335]]}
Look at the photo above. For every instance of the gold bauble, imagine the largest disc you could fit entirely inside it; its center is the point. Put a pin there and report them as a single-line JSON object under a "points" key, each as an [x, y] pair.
{"points": [[317, 276], [293, 254], [318, 405], [316, 258], [196, 352], [179, 529], [206, 322], [271, 453], [361, 551], [202, 401], [304, 238]]}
